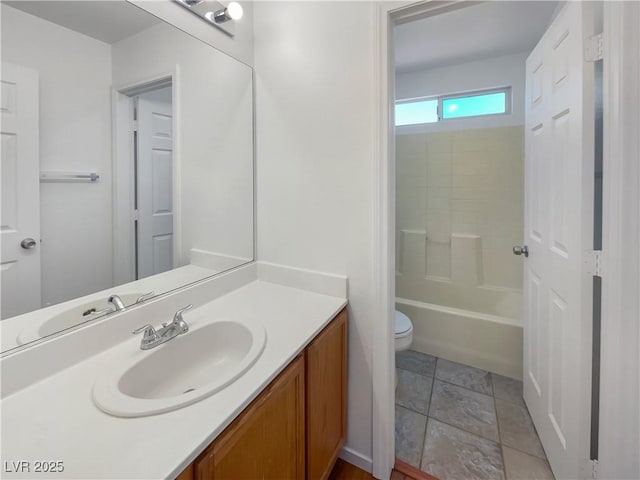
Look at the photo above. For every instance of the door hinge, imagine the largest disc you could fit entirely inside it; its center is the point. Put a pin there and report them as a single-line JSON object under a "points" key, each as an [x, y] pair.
{"points": [[594, 469], [594, 263], [135, 125], [594, 48], [135, 216]]}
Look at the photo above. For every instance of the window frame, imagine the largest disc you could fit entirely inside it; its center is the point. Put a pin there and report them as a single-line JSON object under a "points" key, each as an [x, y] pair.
{"points": [[508, 103]]}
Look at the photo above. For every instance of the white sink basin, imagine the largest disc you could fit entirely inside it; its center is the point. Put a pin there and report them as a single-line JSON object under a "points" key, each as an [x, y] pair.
{"points": [[71, 317], [181, 371]]}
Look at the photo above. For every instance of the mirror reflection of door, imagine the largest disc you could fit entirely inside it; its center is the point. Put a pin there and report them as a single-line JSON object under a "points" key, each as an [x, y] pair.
{"points": [[153, 158], [20, 218]]}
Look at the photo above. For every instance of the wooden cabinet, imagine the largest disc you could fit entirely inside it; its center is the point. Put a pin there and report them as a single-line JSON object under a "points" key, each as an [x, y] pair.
{"points": [[326, 369], [187, 473], [297, 425], [267, 440]]}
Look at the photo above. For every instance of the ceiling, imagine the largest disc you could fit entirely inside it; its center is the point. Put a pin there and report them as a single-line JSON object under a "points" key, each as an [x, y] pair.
{"points": [[483, 30], [107, 21]]}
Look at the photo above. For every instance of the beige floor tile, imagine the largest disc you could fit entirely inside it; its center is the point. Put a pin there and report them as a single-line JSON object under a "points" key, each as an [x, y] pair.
{"points": [[516, 428], [471, 411], [410, 431], [507, 388], [413, 391], [464, 376], [416, 362], [453, 454], [520, 466]]}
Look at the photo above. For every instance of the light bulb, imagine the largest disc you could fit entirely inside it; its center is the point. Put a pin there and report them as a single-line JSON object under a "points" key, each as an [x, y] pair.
{"points": [[234, 11]]}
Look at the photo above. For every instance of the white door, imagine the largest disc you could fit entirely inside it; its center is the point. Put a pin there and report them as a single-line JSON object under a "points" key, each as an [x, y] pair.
{"points": [[559, 169], [155, 182], [20, 172]]}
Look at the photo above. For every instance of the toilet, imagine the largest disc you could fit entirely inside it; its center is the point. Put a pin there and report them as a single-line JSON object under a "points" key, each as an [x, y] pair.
{"points": [[404, 335], [404, 331]]}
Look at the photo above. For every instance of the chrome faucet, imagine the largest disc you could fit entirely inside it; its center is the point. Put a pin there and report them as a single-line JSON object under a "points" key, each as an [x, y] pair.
{"points": [[152, 337], [146, 296], [117, 303]]}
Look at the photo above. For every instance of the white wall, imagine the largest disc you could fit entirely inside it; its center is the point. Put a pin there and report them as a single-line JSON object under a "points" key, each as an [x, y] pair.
{"points": [[495, 72], [239, 46], [214, 140], [75, 122], [315, 105]]}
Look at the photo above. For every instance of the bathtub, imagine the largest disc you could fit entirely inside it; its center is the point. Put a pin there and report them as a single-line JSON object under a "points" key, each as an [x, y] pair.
{"points": [[479, 339]]}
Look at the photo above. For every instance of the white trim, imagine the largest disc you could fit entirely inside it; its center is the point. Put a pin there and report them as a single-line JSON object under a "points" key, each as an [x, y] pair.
{"points": [[619, 440], [356, 458], [122, 219], [146, 84], [122, 188], [176, 105], [383, 261]]}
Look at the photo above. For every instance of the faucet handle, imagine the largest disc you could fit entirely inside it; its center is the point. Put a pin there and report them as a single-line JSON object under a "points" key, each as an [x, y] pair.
{"points": [[95, 313], [178, 315], [177, 318], [149, 332], [146, 296]]}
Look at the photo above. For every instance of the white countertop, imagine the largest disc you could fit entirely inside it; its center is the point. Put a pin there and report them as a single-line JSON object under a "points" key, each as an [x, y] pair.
{"points": [[56, 419]]}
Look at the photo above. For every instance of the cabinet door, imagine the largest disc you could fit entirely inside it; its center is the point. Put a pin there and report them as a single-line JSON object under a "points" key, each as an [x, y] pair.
{"points": [[267, 440], [187, 473], [326, 360]]}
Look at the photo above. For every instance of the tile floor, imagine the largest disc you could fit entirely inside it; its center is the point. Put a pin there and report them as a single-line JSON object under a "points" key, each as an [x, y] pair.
{"points": [[458, 422]]}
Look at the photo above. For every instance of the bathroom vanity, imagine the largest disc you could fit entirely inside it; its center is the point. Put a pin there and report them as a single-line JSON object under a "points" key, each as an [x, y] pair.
{"points": [[283, 417], [297, 425]]}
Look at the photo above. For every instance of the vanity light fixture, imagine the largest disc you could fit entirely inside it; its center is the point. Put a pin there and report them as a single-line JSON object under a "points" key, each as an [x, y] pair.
{"points": [[215, 13], [232, 12]]}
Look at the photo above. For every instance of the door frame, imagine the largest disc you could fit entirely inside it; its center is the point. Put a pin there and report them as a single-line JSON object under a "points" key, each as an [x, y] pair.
{"points": [[621, 159], [619, 438], [388, 15], [123, 185]]}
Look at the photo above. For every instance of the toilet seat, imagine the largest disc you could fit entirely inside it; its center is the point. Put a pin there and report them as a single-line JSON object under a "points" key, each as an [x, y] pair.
{"points": [[403, 332], [403, 325]]}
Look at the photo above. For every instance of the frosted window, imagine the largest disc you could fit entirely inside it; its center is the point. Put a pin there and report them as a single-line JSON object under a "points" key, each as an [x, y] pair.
{"points": [[473, 106], [445, 107], [412, 113]]}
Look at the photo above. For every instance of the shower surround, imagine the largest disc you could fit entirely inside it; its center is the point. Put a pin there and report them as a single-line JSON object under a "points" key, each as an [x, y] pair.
{"points": [[459, 211]]}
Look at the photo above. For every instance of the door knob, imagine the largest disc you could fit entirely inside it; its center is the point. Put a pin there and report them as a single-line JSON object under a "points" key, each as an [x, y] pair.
{"points": [[28, 243], [521, 250]]}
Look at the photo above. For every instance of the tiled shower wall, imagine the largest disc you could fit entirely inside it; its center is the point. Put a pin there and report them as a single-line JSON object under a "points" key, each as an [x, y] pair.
{"points": [[459, 209]]}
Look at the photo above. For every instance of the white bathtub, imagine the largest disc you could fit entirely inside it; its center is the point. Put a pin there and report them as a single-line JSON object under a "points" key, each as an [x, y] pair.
{"points": [[482, 340]]}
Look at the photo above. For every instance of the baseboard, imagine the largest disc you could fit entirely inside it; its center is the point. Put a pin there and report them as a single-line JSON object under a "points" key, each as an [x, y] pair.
{"points": [[356, 458], [318, 282]]}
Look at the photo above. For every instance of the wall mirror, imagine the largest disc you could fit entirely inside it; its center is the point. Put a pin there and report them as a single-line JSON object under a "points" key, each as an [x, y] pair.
{"points": [[127, 162]]}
